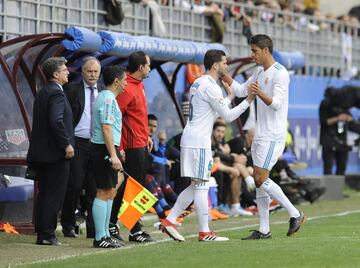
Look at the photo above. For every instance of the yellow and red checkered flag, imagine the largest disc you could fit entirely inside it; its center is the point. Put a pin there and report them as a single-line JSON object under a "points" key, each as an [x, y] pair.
{"points": [[137, 200]]}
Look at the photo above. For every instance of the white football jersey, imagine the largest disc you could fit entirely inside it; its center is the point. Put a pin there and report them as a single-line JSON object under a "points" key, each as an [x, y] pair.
{"points": [[206, 104], [271, 120]]}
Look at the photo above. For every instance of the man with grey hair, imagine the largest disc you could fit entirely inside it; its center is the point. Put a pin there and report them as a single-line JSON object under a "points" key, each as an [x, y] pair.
{"points": [[51, 147], [81, 96]]}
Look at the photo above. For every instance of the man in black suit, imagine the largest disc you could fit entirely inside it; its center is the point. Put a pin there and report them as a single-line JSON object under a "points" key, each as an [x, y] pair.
{"points": [[81, 96], [51, 147]]}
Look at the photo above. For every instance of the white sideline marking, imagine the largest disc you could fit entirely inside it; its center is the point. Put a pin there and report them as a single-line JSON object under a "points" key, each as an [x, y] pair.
{"points": [[102, 251]]}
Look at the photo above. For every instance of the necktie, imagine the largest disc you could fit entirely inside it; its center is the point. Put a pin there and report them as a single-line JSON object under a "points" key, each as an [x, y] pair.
{"points": [[92, 98]]}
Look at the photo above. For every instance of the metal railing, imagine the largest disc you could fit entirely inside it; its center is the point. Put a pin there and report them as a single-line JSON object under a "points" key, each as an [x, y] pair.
{"points": [[323, 49]]}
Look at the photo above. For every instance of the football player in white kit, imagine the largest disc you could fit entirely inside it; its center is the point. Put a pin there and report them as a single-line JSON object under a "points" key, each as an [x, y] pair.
{"points": [[206, 104], [270, 83]]}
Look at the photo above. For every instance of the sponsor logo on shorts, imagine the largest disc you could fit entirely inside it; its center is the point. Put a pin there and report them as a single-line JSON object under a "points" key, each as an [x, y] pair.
{"points": [[209, 167]]}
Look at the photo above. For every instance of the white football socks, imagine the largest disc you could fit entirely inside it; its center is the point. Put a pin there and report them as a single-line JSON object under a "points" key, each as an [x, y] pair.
{"points": [[276, 193], [183, 201], [201, 206], [263, 202], [199, 194]]}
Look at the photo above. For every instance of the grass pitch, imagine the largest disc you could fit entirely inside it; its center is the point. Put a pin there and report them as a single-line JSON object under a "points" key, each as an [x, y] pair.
{"points": [[330, 238]]}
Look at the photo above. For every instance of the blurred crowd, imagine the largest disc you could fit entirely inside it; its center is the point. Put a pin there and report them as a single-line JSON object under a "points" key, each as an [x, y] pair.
{"points": [[296, 14]]}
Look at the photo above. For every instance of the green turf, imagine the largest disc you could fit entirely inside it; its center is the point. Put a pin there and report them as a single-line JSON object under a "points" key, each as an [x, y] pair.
{"points": [[327, 239]]}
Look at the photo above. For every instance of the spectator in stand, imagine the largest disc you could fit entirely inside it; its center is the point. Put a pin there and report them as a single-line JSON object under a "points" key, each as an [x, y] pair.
{"points": [[239, 15], [316, 24], [355, 12], [312, 4], [157, 26], [269, 16], [213, 11]]}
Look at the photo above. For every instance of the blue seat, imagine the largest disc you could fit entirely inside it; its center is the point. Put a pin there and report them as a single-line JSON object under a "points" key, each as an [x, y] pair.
{"points": [[21, 193], [19, 190]]}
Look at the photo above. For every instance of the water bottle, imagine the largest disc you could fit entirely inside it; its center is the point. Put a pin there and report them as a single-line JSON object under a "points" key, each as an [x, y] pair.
{"points": [[340, 127]]}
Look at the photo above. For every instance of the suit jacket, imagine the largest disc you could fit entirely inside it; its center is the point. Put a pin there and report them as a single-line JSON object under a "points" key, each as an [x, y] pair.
{"points": [[76, 97], [52, 129]]}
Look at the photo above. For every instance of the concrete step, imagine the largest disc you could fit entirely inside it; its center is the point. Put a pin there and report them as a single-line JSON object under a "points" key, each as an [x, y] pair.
{"points": [[334, 185]]}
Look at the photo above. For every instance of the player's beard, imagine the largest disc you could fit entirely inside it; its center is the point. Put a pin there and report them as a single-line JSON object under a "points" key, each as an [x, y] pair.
{"points": [[221, 73]]}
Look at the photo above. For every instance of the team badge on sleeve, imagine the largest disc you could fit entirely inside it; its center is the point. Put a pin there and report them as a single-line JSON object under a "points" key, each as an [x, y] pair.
{"points": [[222, 102]]}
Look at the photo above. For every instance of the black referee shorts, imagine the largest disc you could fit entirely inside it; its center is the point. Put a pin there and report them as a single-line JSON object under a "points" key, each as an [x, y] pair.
{"points": [[105, 176]]}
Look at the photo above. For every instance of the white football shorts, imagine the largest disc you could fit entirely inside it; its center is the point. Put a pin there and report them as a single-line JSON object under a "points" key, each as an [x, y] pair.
{"points": [[265, 154], [196, 163]]}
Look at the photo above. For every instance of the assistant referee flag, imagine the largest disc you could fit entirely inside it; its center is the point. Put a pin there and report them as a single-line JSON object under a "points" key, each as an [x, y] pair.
{"points": [[137, 200]]}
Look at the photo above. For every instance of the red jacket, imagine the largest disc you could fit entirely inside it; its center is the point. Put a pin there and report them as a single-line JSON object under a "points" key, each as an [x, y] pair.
{"points": [[132, 103]]}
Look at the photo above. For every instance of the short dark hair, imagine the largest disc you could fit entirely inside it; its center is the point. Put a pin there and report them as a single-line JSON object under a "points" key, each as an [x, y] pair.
{"points": [[219, 124], [212, 56], [262, 41], [136, 59], [152, 117], [52, 65], [110, 73]]}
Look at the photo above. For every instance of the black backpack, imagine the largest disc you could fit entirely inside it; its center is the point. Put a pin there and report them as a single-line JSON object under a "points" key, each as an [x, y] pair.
{"points": [[114, 12]]}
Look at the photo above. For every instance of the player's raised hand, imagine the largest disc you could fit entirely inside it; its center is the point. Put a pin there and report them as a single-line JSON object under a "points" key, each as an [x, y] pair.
{"points": [[251, 93], [229, 91], [227, 78], [254, 88]]}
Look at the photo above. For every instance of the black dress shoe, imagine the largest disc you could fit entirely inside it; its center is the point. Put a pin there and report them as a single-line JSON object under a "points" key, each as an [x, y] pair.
{"points": [[69, 233], [48, 242]]}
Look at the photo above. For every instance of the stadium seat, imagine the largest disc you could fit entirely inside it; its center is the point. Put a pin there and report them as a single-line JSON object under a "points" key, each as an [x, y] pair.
{"points": [[16, 201]]}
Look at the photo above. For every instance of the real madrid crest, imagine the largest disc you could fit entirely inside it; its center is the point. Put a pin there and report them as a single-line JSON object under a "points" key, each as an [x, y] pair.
{"points": [[222, 102]]}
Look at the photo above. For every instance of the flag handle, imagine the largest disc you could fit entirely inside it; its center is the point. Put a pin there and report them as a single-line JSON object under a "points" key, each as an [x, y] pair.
{"points": [[123, 171], [108, 158]]}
